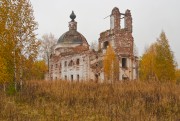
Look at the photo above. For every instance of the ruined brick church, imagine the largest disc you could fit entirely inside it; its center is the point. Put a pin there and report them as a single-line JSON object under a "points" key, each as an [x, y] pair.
{"points": [[71, 58]]}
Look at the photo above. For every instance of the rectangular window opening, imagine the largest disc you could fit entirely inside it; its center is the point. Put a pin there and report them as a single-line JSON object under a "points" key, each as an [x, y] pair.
{"points": [[105, 45], [77, 61], [65, 63], [71, 78], [124, 62], [78, 78]]}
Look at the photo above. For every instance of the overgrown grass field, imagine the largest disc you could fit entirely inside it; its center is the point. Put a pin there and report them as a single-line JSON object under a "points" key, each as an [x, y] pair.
{"points": [[63, 101]]}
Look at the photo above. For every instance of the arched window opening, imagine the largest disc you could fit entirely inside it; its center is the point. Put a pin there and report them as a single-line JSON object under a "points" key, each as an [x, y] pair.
{"points": [[71, 63], [71, 78], [105, 44], [124, 62], [65, 77], [78, 77], [60, 65], [77, 62], [65, 63], [96, 78]]}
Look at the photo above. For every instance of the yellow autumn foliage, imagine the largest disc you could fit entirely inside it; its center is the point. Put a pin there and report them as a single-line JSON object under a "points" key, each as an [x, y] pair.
{"points": [[18, 43], [157, 63], [111, 65]]}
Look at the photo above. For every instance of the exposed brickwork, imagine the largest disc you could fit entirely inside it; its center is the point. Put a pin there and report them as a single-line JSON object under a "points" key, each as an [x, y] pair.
{"points": [[122, 41]]}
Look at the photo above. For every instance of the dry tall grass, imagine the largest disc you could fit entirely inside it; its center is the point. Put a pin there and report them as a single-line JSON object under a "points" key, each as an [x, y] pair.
{"points": [[63, 101]]}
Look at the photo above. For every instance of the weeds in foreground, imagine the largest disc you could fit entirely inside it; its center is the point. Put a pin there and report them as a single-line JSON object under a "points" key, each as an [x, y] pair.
{"points": [[63, 101]]}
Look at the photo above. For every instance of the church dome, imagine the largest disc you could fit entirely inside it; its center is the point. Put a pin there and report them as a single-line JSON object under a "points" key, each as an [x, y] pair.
{"points": [[72, 37]]}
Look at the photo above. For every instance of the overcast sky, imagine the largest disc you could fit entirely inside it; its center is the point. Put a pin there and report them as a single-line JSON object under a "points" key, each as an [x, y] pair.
{"points": [[150, 17]]}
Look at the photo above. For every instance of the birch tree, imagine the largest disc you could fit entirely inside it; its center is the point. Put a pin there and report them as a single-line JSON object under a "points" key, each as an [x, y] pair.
{"points": [[47, 42], [17, 35]]}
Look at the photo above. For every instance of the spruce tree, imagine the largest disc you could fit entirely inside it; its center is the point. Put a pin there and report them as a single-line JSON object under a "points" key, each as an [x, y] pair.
{"points": [[165, 64]]}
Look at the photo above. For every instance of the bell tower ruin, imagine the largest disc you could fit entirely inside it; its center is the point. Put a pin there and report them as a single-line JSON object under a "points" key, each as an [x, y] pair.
{"points": [[122, 41]]}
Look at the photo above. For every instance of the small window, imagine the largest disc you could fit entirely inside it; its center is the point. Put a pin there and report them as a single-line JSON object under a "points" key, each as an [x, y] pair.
{"points": [[51, 66], [96, 78], [56, 78], [71, 63], [96, 65], [77, 62], [59, 70], [105, 44], [65, 63], [124, 62], [78, 77], [56, 65], [65, 77], [71, 78]]}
